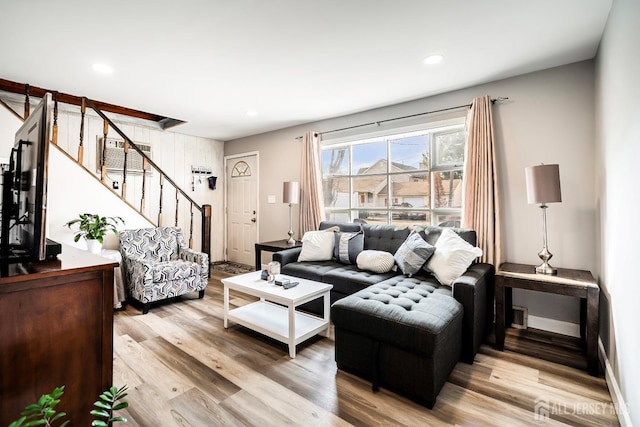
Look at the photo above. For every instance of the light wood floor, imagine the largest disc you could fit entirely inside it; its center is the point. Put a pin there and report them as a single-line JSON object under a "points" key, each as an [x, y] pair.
{"points": [[184, 369]]}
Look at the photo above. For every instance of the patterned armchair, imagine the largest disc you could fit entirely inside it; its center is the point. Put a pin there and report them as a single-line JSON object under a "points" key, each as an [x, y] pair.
{"points": [[157, 264]]}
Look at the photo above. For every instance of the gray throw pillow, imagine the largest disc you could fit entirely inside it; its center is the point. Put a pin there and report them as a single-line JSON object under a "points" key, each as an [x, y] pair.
{"points": [[413, 253], [347, 246]]}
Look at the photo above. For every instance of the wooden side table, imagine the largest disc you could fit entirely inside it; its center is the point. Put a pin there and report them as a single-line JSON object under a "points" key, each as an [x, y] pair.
{"points": [[577, 283], [274, 246]]}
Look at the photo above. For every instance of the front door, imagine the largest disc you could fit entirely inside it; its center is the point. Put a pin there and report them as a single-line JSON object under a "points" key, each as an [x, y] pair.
{"points": [[242, 219]]}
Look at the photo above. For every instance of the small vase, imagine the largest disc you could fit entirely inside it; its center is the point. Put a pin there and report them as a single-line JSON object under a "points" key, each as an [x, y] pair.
{"points": [[94, 246]]}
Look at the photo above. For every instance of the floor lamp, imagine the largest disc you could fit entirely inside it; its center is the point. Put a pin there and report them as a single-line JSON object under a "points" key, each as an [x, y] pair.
{"points": [[543, 186], [291, 195]]}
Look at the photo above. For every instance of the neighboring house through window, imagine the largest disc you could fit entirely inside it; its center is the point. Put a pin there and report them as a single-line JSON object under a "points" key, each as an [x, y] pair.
{"points": [[419, 171]]}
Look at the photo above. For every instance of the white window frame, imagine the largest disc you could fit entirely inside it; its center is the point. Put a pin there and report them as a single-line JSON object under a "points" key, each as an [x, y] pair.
{"points": [[387, 135]]}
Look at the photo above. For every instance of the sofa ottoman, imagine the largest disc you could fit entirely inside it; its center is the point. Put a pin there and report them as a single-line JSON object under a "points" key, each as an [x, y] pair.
{"points": [[403, 334]]}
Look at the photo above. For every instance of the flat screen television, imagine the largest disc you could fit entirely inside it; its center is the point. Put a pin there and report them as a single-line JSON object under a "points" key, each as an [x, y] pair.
{"points": [[24, 192]]}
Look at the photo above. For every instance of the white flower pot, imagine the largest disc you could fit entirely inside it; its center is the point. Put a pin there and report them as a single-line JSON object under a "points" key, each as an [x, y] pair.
{"points": [[94, 246]]}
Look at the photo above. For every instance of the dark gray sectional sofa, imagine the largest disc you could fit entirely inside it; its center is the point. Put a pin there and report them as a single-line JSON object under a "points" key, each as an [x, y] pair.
{"points": [[404, 333]]}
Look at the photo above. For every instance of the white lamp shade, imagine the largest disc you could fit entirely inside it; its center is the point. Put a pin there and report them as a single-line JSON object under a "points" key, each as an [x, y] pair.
{"points": [[291, 192], [543, 184]]}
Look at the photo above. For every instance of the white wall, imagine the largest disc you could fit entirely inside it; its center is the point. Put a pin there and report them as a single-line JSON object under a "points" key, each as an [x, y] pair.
{"points": [[548, 118], [9, 124], [618, 197], [175, 153], [65, 205]]}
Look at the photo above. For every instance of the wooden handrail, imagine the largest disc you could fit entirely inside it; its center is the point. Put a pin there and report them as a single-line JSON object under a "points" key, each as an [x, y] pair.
{"points": [[65, 98], [142, 154], [205, 210]]}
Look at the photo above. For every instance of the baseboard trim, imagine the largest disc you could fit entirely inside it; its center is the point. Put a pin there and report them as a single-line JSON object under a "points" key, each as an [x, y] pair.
{"points": [[552, 325], [614, 389], [573, 329]]}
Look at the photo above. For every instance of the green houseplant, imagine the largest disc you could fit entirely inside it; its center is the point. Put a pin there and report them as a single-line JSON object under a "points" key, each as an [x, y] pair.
{"points": [[93, 228], [43, 413]]}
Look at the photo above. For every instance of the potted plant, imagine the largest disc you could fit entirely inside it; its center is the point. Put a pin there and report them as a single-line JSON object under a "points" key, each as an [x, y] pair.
{"points": [[93, 228], [43, 412]]}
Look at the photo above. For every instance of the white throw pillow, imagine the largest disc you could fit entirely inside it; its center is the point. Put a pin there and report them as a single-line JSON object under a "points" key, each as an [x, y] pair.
{"points": [[317, 246], [375, 261], [452, 257]]}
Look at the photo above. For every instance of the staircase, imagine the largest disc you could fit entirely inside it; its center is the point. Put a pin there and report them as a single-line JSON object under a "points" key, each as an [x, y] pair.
{"points": [[148, 190]]}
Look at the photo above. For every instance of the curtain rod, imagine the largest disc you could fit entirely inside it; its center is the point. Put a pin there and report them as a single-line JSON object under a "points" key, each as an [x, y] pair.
{"points": [[493, 101]]}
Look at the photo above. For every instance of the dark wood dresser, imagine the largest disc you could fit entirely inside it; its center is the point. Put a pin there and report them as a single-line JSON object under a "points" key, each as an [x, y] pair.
{"points": [[56, 328]]}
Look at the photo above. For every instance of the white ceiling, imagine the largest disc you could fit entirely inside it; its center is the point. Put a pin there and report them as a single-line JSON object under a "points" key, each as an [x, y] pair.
{"points": [[293, 61]]}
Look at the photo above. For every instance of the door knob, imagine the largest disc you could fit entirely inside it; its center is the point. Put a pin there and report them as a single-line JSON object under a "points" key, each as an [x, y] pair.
{"points": [[253, 220]]}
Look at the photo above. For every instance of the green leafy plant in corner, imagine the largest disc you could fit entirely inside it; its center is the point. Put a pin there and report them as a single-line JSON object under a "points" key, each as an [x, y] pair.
{"points": [[94, 226], [44, 414], [108, 405]]}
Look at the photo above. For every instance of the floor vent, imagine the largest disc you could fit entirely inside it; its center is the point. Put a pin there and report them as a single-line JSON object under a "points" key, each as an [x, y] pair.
{"points": [[519, 317]]}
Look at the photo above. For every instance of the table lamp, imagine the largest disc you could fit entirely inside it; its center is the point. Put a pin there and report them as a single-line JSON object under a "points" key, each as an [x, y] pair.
{"points": [[291, 195], [543, 186]]}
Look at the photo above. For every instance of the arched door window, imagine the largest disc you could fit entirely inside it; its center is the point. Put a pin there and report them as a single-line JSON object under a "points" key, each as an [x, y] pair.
{"points": [[241, 168]]}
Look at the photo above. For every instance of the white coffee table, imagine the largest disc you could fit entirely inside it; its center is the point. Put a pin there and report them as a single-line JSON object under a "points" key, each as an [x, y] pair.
{"points": [[279, 321]]}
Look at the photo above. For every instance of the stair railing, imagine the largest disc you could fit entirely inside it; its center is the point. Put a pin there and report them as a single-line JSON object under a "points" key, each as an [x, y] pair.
{"points": [[180, 194], [148, 166]]}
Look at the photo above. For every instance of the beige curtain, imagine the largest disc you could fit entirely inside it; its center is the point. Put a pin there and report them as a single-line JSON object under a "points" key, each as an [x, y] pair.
{"points": [[481, 206], [311, 197]]}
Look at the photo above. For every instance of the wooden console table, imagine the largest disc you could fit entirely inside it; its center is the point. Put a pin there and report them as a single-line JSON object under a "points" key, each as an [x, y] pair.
{"points": [[577, 283], [275, 246], [56, 328]]}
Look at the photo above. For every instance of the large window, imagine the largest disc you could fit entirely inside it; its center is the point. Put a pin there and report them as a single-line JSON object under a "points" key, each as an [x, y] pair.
{"points": [[403, 178]]}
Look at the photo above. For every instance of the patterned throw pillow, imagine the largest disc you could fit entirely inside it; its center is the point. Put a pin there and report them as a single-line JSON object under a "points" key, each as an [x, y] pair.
{"points": [[413, 253], [452, 257], [375, 261], [347, 246]]}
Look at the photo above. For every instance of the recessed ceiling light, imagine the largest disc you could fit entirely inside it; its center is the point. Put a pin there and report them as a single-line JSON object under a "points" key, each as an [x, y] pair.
{"points": [[102, 68], [433, 59], [251, 113]]}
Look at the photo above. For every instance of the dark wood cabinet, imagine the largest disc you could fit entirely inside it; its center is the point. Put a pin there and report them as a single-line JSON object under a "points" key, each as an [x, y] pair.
{"points": [[56, 328]]}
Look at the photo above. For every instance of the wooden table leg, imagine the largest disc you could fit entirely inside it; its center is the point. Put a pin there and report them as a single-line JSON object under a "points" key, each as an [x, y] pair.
{"points": [[258, 258], [508, 306], [499, 287], [583, 322], [593, 306]]}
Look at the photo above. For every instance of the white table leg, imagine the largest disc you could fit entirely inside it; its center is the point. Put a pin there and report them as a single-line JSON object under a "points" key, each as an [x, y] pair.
{"points": [[226, 304], [292, 331], [327, 314]]}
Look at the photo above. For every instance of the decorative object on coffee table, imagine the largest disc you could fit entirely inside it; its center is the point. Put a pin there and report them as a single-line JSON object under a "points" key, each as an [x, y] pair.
{"points": [[291, 195], [543, 186], [273, 269]]}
